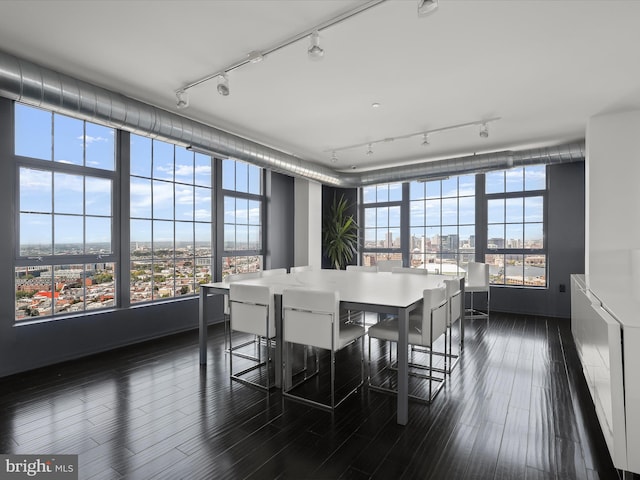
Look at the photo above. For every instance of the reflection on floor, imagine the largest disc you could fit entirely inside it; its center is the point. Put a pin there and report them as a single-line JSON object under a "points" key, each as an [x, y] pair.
{"points": [[515, 407]]}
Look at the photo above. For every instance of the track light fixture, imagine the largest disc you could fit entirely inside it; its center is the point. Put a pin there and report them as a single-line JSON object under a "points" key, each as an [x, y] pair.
{"points": [[223, 85], [426, 7], [425, 134], [255, 56], [315, 51], [182, 99], [334, 159]]}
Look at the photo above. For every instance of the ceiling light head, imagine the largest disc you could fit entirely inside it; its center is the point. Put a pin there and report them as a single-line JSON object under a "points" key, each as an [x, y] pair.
{"points": [[369, 151], [255, 56], [426, 7], [334, 159], [315, 51], [484, 131], [182, 99], [425, 140], [223, 85]]}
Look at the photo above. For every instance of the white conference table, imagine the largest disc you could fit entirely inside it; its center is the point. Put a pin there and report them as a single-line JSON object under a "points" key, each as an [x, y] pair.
{"points": [[392, 293]]}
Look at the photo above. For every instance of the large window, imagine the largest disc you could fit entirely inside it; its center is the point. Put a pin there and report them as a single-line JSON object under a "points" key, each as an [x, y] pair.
{"points": [[382, 226], [516, 247], [442, 224], [242, 190], [65, 253], [71, 180], [443, 230], [171, 220]]}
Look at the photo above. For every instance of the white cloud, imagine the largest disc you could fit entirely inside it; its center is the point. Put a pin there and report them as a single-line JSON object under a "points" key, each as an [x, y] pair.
{"points": [[34, 179], [202, 214], [88, 139], [184, 171]]}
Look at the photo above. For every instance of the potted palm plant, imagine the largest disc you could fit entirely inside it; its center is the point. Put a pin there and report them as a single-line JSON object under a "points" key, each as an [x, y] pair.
{"points": [[339, 233]]}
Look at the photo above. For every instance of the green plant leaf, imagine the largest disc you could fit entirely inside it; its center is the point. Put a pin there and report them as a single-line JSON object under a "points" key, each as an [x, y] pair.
{"points": [[340, 233]]}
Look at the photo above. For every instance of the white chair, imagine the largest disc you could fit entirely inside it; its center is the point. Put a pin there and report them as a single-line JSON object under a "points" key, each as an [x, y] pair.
{"points": [[362, 268], [477, 281], [412, 271], [273, 272], [454, 314], [302, 268], [312, 318], [252, 311], [426, 325], [388, 265], [234, 277]]}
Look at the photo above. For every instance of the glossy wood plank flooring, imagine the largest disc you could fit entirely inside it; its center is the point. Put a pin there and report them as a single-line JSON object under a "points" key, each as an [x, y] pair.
{"points": [[515, 407]]}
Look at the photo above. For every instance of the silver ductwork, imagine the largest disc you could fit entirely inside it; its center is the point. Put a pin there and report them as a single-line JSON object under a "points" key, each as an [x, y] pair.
{"points": [[470, 164], [35, 85]]}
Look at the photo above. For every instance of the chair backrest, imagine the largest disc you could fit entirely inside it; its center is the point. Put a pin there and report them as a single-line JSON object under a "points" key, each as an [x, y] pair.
{"points": [[311, 317], [252, 309], [361, 268], [453, 297], [387, 265], [477, 275], [274, 271], [434, 314], [234, 277], [301, 268], [413, 271]]}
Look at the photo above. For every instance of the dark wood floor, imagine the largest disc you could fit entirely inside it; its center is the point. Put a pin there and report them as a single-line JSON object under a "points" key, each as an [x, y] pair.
{"points": [[516, 407]]}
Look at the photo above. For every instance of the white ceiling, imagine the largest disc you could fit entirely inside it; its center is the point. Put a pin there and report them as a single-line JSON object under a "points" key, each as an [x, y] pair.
{"points": [[544, 67]]}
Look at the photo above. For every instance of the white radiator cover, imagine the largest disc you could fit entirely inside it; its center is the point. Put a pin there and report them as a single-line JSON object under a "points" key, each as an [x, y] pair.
{"points": [[607, 338]]}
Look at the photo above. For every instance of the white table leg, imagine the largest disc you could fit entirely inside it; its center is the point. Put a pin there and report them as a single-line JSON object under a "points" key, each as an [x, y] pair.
{"points": [[278, 353], [403, 367], [202, 321], [462, 313]]}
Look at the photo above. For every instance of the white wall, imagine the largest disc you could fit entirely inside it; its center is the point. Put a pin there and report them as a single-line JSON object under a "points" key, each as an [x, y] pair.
{"points": [[613, 264], [612, 193], [308, 223]]}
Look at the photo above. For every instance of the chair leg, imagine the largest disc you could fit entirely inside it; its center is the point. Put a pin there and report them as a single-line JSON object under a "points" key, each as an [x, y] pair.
{"points": [[333, 402], [472, 313], [362, 361], [369, 362], [449, 357], [430, 369], [227, 335], [432, 391], [267, 357], [226, 328], [230, 353], [333, 379], [472, 309], [446, 357], [259, 350]]}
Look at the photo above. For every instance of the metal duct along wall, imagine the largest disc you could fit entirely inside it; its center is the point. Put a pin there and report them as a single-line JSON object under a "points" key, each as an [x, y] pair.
{"points": [[29, 83], [471, 164]]}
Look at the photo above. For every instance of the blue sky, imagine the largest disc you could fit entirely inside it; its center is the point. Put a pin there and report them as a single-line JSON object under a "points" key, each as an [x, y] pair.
{"points": [[170, 187], [71, 207]]}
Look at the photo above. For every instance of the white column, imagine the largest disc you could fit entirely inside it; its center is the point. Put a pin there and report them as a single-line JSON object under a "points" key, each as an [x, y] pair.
{"points": [[612, 193], [612, 169], [308, 223]]}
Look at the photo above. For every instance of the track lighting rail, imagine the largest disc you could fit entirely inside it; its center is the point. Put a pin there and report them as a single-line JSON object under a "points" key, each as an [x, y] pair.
{"points": [[257, 55]]}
